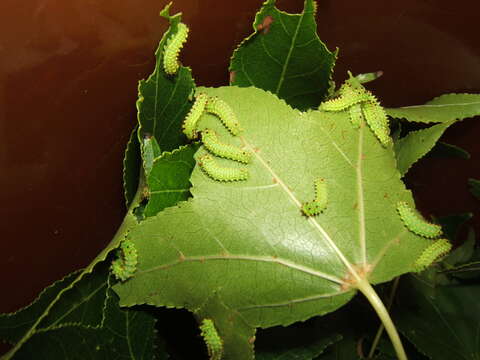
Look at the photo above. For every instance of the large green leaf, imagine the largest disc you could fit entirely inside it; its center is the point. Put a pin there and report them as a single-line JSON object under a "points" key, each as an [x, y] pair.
{"points": [[443, 323], [285, 56], [243, 254], [125, 334], [163, 100], [14, 326], [417, 144], [444, 108]]}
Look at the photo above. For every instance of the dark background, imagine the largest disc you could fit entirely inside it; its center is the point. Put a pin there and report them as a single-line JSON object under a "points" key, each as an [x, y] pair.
{"points": [[68, 85]]}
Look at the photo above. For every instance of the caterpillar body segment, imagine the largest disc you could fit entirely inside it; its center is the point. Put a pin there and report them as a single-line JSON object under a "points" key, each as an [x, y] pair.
{"points": [[209, 165], [225, 113], [172, 49], [377, 120], [348, 97], [319, 204], [189, 126], [356, 115], [126, 263], [415, 223], [213, 341], [432, 253], [211, 142]]}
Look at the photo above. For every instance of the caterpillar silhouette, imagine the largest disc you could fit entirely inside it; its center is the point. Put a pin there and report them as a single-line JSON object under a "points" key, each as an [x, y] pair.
{"points": [[172, 49], [211, 142], [319, 204], [225, 113], [415, 223], [126, 263], [189, 126], [209, 165], [432, 253], [213, 341]]}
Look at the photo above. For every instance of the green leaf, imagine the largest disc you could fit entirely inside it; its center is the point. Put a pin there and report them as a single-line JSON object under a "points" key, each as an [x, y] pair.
{"points": [[131, 167], [442, 324], [243, 253], [162, 99], [83, 303], [445, 108], [444, 150], [300, 341], [14, 326], [475, 187], [416, 144], [285, 56], [169, 180], [307, 352], [125, 334]]}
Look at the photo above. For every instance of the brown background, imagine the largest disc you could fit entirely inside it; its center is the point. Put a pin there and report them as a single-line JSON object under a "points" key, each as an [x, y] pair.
{"points": [[68, 77]]}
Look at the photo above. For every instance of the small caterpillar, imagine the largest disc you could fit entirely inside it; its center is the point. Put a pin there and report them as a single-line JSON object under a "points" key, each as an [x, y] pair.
{"points": [[356, 115], [210, 140], [213, 341], [190, 123], [319, 204], [126, 263], [432, 253], [225, 113], [415, 223], [377, 120], [172, 49], [211, 168], [348, 97]]}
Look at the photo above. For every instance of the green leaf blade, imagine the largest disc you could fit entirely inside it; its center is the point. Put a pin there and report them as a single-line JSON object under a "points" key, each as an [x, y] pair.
{"points": [[285, 57], [247, 244], [416, 144], [169, 180], [163, 100], [445, 108]]}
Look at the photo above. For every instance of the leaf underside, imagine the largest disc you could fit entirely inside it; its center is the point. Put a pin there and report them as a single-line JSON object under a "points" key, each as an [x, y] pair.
{"points": [[242, 253]]}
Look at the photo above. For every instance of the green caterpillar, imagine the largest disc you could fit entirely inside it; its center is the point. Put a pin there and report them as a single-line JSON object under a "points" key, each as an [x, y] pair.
{"points": [[211, 142], [126, 263], [213, 341], [225, 113], [432, 253], [319, 204], [348, 97], [377, 120], [356, 115], [172, 49], [211, 168], [415, 223], [189, 126]]}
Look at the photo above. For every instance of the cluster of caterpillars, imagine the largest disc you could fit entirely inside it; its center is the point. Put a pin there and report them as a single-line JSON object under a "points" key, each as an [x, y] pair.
{"points": [[416, 224], [360, 104], [126, 263], [216, 148], [213, 105]]}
